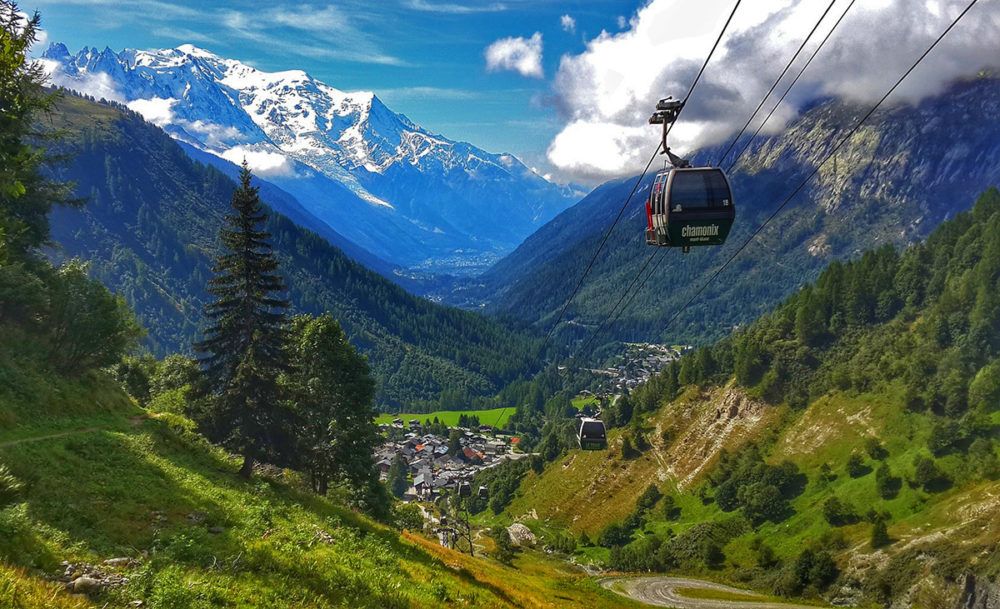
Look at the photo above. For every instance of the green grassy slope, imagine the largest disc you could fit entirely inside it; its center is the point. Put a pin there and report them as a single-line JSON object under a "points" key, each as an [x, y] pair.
{"points": [[104, 479]]}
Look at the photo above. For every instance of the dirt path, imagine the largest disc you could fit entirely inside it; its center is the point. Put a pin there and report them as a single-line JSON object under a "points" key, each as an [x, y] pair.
{"points": [[50, 436], [663, 592]]}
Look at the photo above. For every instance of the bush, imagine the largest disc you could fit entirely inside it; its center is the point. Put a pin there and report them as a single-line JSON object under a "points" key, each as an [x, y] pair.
{"points": [[886, 484], [880, 534], [927, 474], [89, 327], [10, 487], [614, 535], [838, 513], [875, 449], [856, 466], [762, 502], [670, 509], [504, 551], [408, 516]]}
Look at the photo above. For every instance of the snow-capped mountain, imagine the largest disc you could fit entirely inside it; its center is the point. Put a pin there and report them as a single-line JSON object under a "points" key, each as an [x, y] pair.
{"points": [[414, 198]]}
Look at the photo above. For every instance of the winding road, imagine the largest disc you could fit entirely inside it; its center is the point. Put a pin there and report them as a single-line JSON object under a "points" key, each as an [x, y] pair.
{"points": [[664, 592]]}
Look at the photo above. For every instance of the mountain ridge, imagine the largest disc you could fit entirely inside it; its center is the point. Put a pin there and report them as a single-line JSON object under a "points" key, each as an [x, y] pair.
{"points": [[412, 197], [902, 174], [149, 231]]}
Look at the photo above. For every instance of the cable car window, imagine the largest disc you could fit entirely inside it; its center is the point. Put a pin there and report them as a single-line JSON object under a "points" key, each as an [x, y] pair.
{"points": [[699, 189]]}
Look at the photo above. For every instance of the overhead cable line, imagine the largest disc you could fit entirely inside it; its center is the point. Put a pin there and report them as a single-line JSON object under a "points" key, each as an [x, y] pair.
{"points": [[604, 240], [791, 62], [607, 322], [621, 211], [737, 158], [816, 169]]}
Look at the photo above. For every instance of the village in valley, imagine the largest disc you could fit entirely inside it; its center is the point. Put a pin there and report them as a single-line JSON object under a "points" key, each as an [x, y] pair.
{"points": [[439, 458], [636, 365]]}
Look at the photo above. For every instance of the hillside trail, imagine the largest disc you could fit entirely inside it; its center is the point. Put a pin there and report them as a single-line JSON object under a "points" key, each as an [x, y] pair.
{"points": [[663, 592], [133, 422]]}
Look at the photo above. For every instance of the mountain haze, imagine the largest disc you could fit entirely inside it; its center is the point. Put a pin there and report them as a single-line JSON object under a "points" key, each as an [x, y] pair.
{"points": [[411, 197]]}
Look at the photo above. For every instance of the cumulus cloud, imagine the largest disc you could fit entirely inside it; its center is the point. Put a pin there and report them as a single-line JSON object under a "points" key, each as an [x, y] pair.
{"points": [[521, 55], [264, 163], [605, 94], [568, 23]]}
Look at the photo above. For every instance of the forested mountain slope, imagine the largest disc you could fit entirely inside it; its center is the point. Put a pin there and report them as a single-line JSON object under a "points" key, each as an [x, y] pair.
{"points": [[846, 444], [149, 229], [904, 172]]}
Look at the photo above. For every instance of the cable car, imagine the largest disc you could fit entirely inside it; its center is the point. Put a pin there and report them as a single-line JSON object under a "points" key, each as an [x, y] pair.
{"points": [[687, 206], [484, 492], [465, 490], [592, 435]]}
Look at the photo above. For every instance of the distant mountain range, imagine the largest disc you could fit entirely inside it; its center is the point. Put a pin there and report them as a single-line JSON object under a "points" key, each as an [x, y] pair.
{"points": [[410, 197], [908, 169]]}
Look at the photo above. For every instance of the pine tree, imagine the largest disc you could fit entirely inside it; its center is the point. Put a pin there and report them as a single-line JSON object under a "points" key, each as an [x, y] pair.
{"points": [[244, 348], [397, 481], [26, 192]]}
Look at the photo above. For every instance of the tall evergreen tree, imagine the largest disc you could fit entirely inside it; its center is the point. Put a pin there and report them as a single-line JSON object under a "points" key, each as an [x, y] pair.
{"points": [[26, 195], [243, 352]]}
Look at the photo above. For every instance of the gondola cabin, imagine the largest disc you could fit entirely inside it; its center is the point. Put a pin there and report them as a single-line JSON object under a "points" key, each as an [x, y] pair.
{"points": [[689, 207], [592, 435]]}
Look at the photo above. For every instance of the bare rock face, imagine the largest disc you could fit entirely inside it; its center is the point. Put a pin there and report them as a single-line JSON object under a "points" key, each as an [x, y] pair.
{"points": [[979, 593], [521, 535]]}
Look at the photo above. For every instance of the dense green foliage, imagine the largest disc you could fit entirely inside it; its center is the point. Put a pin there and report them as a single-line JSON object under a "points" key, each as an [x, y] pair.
{"points": [[334, 392], [928, 317], [149, 230], [243, 406]]}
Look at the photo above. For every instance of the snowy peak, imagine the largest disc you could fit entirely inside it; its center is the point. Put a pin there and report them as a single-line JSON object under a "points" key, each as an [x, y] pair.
{"points": [[301, 132]]}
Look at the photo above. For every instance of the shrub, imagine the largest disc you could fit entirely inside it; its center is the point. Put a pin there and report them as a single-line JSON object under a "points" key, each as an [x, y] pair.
{"points": [[762, 502], [880, 534], [927, 474], [886, 484], [875, 449], [838, 513], [670, 509], [856, 466], [89, 327], [504, 551], [613, 535], [10, 487], [408, 516]]}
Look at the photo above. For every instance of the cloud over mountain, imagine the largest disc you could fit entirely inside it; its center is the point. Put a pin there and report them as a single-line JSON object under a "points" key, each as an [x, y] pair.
{"points": [[606, 93]]}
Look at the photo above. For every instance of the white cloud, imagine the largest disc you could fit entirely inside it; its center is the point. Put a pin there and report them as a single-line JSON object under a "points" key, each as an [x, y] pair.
{"points": [[263, 163], [622, 22], [423, 92], [157, 110], [98, 84], [606, 93], [568, 23], [455, 8], [521, 55]]}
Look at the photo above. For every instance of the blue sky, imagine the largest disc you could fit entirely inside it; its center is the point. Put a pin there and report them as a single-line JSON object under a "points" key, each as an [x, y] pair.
{"points": [[424, 58]]}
